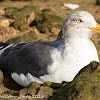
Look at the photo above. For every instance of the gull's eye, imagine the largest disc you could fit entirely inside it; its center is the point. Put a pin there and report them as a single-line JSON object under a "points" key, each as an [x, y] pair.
{"points": [[78, 20]]}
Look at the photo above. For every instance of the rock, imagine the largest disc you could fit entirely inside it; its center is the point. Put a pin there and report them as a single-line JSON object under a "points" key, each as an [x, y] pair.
{"points": [[30, 90], [9, 31], [45, 91], [2, 12], [36, 30], [22, 16], [37, 90], [29, 37], [4, 23], [32, 15], [52, 85], [33, 88], [55, 31], [20, 24], [1, 77], [56, 85], [21, 13], [3, 89], [23, 91], [6, 33], [47, 83], [30, 18], [45, 22]]}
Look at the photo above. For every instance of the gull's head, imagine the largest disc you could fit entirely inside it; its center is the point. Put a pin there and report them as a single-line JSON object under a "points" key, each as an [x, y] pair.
{"points": [[80, 24]]}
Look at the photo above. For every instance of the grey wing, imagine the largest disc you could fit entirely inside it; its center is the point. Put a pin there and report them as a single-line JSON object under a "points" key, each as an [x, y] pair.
{"points": [[54, 44], [26, 58]]}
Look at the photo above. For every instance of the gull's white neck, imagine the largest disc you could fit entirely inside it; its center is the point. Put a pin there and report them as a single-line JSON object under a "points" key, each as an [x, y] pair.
{"points": [[80, 50]]}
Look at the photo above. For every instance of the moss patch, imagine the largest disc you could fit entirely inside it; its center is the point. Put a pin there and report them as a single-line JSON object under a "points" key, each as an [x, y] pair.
{"points": [[18, 13], [20, 16], [45, 22]]}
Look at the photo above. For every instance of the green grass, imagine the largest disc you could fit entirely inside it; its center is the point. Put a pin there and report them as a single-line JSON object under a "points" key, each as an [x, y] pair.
{"points": [[54, 18]]}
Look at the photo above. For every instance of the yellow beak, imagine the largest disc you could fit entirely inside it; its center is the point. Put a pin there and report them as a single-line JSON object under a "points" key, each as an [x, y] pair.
{"points": [[96, 29]]}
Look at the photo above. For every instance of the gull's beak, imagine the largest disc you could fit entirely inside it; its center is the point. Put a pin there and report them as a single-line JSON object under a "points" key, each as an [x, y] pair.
{"points": [[96, 29]]}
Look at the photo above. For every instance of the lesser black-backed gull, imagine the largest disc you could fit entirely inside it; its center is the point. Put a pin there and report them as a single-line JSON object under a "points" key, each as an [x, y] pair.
{"points": [[55, 61]]}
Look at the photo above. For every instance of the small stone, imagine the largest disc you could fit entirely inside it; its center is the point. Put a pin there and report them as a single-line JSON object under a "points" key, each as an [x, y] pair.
{"points": [[23, 91], [1, 77], [2, 12], [55, 31], [32, 89], [30, 18], [7, 31], [1, 37], [4, 23], [3, 89], [41, 9], [45, 91], [36, 30]]}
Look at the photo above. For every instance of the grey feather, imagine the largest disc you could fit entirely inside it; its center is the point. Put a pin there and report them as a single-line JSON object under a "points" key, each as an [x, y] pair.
{"points": [[30, 58]]}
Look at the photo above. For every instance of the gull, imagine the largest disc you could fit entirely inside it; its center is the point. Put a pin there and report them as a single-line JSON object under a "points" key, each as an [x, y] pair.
{"points": [[56, 61]]}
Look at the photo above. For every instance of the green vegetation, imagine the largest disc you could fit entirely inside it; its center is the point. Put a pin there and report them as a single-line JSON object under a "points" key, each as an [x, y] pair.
{"points": [[54, 18], [20, 16], [45, 22], [20, 13], [20, 24]]}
